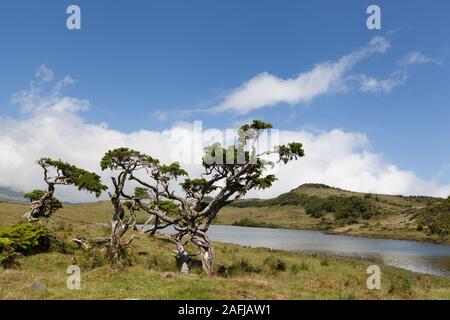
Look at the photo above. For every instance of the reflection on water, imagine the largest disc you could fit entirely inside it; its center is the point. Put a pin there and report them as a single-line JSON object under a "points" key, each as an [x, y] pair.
{"points": [[411, 255]]}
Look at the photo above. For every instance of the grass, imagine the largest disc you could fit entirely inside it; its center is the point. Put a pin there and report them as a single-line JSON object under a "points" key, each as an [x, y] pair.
{"points": [[244, 273]]}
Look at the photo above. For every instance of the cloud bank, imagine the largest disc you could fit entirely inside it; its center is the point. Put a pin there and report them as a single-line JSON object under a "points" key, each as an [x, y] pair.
{"points": [[54, 127]]}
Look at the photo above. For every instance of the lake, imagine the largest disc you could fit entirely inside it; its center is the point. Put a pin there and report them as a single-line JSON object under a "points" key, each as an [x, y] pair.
{"points": [[411, 255]]}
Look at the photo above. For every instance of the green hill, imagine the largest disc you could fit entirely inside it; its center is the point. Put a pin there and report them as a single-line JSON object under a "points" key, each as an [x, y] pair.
{"points": [[321, 207]]}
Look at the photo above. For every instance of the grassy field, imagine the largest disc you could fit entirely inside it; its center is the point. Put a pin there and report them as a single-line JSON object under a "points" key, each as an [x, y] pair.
{"points": [[244, 273]]}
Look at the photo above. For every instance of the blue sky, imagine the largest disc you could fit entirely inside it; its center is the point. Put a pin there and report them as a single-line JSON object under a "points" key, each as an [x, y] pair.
{"points": [[144, 64]]}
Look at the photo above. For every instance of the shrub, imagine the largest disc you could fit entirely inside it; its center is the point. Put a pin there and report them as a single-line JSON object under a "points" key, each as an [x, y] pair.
{"points": [[275, 264], [64, 246], [400, 285], [246, 222], [92, 258], [23, 239], [324, 262], [435, 218], [237, 267]]}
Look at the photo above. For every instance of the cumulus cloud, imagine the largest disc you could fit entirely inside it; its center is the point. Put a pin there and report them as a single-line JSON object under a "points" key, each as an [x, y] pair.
{"points": [[344, 159], [267, 90], [338, 158]]}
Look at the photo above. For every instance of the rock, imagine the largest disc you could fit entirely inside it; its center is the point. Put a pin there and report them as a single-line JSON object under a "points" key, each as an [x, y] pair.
{"points": [[167, 275], [38, 286]]}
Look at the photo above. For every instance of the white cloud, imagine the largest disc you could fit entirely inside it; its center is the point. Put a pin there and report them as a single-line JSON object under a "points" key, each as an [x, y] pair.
{"points": [[396, 78], [344, 159], [44, 73], [338, 158], [418, 58], [371, 84], [267, 90]]}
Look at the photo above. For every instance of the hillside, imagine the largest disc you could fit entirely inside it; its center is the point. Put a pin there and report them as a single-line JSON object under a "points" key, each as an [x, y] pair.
{"points": [[309, 207], [9, 196], [333, 210]]}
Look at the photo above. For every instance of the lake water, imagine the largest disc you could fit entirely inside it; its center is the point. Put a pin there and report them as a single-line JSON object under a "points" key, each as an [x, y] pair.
{"points": [[411, 255]]}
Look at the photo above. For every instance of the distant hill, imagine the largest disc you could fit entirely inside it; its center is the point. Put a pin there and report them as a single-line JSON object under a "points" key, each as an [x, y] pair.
{"points": [[307, 194], [9, 196], [330, 209]]}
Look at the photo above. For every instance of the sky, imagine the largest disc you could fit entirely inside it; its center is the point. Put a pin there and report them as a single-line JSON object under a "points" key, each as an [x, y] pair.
{"points": [[371, 106]]}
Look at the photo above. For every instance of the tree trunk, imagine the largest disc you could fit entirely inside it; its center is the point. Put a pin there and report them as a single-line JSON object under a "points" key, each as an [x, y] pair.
{"points": [[183, 256], [39, 208], [201, 240], [115, 245], [117, 230]]}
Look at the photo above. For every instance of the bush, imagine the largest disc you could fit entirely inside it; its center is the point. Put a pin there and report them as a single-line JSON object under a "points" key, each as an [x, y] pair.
{"points": [[64, 246], [275, 264], [246, 222], [237, 267], [92, 258], [23, 239], [435, 218], [324, 262]]}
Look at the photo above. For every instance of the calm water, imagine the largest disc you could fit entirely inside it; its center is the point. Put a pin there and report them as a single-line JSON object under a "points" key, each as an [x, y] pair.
{"points": [[415, 256]]}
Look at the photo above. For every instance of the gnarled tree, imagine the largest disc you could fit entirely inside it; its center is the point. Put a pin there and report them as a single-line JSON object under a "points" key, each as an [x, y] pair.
{"points": [[229, 173], [57, 172], [124, 161], [53, 205]]}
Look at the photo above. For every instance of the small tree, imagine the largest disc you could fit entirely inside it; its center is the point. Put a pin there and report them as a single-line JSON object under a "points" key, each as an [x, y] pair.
{"points": [[53, 205], [57, 172], [124, 161], [229, 173]]}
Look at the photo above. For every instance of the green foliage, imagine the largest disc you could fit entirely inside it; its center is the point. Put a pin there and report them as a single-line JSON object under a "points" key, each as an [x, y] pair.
{"points": [[23, 239], [173, 170], [348, 209], [63, 246], [35, 195], [316, 186], [435, 218], [92, 258], [240, 266], [246, 222], [169, 207], [295, 268], [82, 179], [275, 263], [122, 158], [198, 185], [291, 151], [324, 262]]}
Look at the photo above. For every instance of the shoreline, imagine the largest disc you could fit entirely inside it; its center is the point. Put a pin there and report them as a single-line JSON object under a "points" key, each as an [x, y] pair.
{"points": [[370, 236]]}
